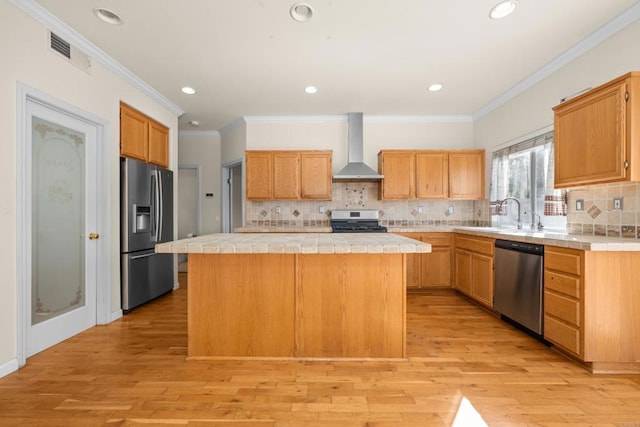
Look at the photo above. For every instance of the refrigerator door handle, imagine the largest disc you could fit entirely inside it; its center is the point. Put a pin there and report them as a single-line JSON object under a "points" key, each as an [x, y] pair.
{"points": [[143, 256], [156, 205], [160, 205]]}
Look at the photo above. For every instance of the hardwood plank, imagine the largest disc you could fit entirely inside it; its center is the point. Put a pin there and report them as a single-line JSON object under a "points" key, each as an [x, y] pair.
{"points": [[135, 372]]}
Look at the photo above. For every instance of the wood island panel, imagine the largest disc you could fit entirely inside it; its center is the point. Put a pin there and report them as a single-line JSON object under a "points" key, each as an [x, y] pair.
{"points": [[311, 306], [350, 305], [241, 305]]}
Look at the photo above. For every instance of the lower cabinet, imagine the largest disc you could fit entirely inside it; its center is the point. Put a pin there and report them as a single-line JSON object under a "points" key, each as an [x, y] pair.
{"points": [[473, 266], [591, 307], [433, 269], [563, 306]]}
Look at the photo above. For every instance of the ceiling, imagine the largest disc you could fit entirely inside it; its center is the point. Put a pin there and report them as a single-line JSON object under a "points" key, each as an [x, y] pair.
{"points": [[250, 58]]}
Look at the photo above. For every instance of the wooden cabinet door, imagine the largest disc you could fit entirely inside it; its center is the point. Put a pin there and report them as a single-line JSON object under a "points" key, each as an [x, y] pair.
{"points": [[259, 175], [398, 169], [466, 175], [463, 274], [134, 133], [315, 180], [436, 267], [590, 138], [286, 175], [158, 144], [482, 279], [432, 175]]}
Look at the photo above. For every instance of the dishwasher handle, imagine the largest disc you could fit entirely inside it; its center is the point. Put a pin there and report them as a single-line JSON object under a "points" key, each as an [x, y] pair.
{"points": [[529, 248]]}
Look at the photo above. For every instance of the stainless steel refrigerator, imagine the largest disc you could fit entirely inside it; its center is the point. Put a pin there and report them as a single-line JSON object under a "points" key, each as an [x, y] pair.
{"points": [[146, 218]]}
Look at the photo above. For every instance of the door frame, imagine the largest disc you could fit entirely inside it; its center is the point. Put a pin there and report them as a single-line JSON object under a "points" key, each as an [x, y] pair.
{"points": [[25, 94], [226, 194]]}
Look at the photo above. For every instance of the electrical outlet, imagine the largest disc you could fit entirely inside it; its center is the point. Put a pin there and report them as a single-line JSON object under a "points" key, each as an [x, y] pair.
{"points": [[420, 209], [580, 205], [617, 204], [450, 210], [321, 209], [277, 209]]}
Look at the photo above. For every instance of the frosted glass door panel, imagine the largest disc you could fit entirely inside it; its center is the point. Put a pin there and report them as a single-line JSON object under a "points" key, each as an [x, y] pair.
{"points": [[58, 228]]}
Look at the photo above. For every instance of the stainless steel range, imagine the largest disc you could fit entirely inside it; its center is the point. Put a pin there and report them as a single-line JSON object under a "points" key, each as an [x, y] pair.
{"points": [[357, 221]]}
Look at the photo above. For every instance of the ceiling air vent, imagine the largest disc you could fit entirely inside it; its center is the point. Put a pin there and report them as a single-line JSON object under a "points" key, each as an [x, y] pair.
{"points": [[70, 52]]}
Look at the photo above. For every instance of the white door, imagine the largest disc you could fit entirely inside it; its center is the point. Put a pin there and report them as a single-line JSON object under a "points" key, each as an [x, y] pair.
{"points": [[63, 216]]}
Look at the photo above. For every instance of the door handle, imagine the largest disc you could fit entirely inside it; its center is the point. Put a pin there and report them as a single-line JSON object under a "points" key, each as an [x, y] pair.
{"points": [[94, 236]]}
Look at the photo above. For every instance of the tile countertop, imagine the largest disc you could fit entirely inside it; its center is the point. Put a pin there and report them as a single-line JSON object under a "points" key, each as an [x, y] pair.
{"points": [[287, 229], [545, 237], [295, 243], [555, 238]]}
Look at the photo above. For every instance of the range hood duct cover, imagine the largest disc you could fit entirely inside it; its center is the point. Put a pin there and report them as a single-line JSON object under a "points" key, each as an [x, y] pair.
{"points": [[356, 170]]}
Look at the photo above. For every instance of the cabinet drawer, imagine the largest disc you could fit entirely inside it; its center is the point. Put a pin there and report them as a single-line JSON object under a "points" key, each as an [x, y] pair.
{"points": [[437, 240], [562, 307], [483, 246], [560, 283], [562, 334], [565, 260]]}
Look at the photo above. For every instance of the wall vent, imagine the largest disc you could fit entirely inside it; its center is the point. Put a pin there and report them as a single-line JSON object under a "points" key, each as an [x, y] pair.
{"points": [[70, 52]]}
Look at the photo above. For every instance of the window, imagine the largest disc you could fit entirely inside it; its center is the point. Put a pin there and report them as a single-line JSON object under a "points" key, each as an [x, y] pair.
{"points": [[525, 171]]}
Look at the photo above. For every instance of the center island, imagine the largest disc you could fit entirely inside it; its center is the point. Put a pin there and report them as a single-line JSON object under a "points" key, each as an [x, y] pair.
{"points": [[296, 295]]}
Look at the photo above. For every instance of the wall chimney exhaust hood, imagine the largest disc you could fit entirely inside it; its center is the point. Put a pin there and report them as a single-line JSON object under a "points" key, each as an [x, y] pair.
{"points": [[356, 170]]}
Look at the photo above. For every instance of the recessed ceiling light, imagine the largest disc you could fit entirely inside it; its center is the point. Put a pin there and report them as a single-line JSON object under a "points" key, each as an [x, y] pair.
{"points": [[311, 89], [194, 123], [502, 9], [435, 87], [301, 12], [108, 16], [188, 90]]}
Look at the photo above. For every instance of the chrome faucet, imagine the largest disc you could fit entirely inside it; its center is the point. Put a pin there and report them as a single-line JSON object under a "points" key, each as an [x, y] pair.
{"points": [[519, 223], [535, 226]]}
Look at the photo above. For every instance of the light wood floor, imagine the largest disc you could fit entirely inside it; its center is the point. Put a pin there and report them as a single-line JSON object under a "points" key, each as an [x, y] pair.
{"points": [[133, 372]]}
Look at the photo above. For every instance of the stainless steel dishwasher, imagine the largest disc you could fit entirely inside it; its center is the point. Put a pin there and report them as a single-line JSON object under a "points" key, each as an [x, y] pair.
{"points": [[519, 283]]}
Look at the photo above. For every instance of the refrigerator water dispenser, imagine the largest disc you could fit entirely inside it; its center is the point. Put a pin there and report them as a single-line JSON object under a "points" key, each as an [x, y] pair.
{"points": [[142, 223]]}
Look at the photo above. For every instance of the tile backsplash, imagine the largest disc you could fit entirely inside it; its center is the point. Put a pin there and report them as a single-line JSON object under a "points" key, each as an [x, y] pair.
{"points": [[598, 216], [364, 195]]}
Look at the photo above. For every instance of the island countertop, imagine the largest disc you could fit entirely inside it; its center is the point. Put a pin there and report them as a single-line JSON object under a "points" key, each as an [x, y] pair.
{"points": [[295, 243]]}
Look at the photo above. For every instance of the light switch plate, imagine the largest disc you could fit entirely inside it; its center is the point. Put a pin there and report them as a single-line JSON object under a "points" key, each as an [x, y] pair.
{"points": [[580, 205], [420, 209], [277, 209], [617, 204]]}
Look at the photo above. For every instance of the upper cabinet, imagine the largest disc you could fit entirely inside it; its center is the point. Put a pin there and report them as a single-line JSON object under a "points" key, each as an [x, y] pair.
{"points": [[431, 174], [143, 138], [284, 175], [596, 135]]}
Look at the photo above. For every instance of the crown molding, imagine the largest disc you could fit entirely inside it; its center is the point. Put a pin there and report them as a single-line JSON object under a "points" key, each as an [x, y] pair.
{"points": [[419, 119], [367, 119], [295, 119], [40, 14], [629, 16]]}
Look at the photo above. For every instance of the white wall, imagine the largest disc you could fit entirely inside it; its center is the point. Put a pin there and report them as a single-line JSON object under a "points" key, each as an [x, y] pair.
{"points": [[331, 133], [531, 110], [233, 141], [27, 59], [203, 149]]}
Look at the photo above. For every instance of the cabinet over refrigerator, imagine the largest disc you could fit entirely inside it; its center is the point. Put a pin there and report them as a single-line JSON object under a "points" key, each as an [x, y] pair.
{"points": [[146, 218]]}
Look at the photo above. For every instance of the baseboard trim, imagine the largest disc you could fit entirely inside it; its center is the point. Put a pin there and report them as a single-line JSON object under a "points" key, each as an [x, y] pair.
{"points": [[176, 286], [116, 315], [9, 367]]}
